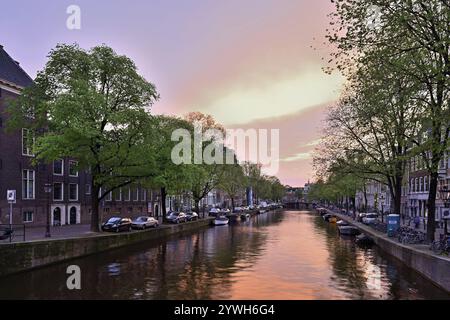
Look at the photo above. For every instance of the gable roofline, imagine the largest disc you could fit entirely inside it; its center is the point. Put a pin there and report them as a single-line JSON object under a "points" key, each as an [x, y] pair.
{"points": [[11, 73]]}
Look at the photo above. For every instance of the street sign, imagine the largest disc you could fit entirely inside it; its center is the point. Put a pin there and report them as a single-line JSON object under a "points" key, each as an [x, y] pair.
{"points": [[11, 196]]}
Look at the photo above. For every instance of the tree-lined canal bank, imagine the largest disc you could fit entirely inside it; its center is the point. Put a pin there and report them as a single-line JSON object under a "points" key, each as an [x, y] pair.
{"points": [[276, 255]]}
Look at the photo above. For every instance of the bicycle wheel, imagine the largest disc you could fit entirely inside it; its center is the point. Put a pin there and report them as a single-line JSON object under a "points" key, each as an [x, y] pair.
{"points": [[436, 247]]}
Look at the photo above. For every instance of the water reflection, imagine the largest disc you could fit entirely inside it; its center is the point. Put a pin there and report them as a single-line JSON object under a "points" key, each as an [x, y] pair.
{"points": [[287, 255]]}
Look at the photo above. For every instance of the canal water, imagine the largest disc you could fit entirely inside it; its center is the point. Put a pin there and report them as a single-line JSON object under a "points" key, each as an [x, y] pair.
{"points": [[276, 255]]}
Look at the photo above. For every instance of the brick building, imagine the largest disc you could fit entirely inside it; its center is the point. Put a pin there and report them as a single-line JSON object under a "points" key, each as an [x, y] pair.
{"points": [[69, 201]]}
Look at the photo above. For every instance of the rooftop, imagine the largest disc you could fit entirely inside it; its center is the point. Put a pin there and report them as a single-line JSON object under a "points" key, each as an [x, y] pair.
{"points": [[11, 72]]}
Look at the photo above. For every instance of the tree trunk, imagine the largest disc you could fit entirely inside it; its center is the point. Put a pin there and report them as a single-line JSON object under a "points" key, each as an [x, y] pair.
{"points": [[232, 204], [163, 204], [365, 197], [95, 203], [196, 205], [397, 197], [431, 228]]}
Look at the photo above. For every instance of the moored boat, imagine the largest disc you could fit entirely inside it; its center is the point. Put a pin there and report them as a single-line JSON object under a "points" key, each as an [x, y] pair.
{"points": [[342, 223], [349, 230], [364, 240], [232, 216], [221, 221], [329, 216]]}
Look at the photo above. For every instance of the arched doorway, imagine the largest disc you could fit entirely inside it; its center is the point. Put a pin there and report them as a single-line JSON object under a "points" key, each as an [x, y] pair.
{"points": [[57, 216], [73, 215]]}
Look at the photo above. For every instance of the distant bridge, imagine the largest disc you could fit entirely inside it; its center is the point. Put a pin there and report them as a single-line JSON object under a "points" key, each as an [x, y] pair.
{"points": [[298, 205]]}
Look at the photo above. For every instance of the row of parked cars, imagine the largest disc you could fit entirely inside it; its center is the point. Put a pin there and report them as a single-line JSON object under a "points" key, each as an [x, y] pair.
{"points": [[179, 217], [118, 224]]}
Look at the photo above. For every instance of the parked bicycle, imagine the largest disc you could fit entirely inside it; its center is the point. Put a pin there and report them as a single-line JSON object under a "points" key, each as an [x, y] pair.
{"points": [[441, 246], [379, 226], [408, 235], [7, 234]]}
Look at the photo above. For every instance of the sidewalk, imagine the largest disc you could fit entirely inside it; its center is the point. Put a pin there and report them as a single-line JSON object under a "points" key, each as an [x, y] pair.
{"points": [[60, 232], [424, 248]]}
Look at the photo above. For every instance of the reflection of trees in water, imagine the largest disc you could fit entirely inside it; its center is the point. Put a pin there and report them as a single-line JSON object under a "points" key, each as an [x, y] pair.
{"points": [[200, 265], [351, 267], [195, 266], [347, 264]]}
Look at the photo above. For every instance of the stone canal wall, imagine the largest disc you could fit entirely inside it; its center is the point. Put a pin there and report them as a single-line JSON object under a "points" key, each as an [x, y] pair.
{"points": [[433, 267], [16, 257]]}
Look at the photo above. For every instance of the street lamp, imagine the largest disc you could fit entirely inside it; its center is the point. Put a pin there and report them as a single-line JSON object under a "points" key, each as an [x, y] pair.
{"points": [[446, 200], [48, 190], [382, 207]]}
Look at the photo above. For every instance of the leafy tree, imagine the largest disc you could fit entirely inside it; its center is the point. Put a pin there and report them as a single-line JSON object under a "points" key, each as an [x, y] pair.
{"points": [[233, 181], [93, 104], [204, 177], [169, 177], [414, 39]]}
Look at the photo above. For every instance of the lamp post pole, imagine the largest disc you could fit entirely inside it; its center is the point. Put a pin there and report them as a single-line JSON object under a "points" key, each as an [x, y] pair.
{"points": [[48, 190], [446, 200]]}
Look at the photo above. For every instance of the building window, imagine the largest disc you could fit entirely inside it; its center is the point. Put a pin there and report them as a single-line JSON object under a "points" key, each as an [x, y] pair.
{"points": [[58, 167], [144, 195], [118, 196], [88, 188], [73, 192], [417, 184], [27, 142], [27, 216], [126, 195], [28, 184], [421, 184], [58, 190], [425, 183], [108, 197], [73, 171], [136, 195]]}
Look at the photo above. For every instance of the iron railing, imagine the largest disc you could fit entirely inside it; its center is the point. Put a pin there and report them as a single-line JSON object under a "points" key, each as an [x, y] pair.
{"points": [[12, 232]]}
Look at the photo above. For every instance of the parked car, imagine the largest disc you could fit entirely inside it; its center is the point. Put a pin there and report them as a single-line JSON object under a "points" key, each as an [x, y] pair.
{"points": [[360, 216], [214, 212], [116, 224], [370, 218], [144, 223], [191, 216], [176, 217]]}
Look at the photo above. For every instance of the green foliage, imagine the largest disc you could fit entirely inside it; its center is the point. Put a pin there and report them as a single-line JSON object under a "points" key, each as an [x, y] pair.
{"points": [[93, 105]]}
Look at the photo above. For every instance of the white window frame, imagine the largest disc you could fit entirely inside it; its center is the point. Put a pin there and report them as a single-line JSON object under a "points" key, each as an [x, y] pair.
{"points": [[32, 216], [62, 168], [73, 184], [72, 162], [128, 198], [136, 198], [25, 195], [108, 197], [119, 195], [88, 189], [62, 191], [29, 152]]}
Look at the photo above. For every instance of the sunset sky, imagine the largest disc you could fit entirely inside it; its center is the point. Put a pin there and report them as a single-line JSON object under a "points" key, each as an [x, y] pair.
{"points": [[250, 64]]}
